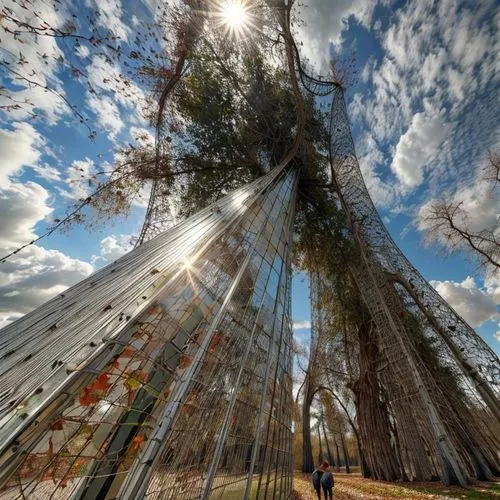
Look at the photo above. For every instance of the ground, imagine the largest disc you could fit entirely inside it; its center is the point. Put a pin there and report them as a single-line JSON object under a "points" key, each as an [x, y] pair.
{"points": [[351, 486]]}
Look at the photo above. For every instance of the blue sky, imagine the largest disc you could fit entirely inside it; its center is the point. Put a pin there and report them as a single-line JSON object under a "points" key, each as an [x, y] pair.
{"points": [[423, 113]]}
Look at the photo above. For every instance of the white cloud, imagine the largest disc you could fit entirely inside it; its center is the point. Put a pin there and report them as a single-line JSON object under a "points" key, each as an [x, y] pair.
{"points": [[371, 159], [77, 179], [105, 75], [301, 324], [47, 172], [34, 276], [438, 55], [35, 58], [113, 247], [18, 148], [474, 304], [113, 91], [324, 22], [109, 16], [480, 202], [492, 281], [142, 135], [107, 113], [432, 69], [21, 206], [418, 146], [82, 51]]}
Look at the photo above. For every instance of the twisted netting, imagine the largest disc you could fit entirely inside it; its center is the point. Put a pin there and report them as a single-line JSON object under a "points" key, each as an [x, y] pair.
{"points": [[166, 374], [472, 353], [385, 279]]}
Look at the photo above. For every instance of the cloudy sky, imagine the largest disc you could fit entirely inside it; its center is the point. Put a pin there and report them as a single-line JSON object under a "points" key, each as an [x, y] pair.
{"points": [[424, 114]]}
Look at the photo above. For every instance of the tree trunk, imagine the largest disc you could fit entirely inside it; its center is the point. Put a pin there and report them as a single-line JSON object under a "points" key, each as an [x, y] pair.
{"points": [[328, 450], [307, 458], [320, 456], [373, 419], [337, 454], [404, 476], [344, 451], [365, 471]]}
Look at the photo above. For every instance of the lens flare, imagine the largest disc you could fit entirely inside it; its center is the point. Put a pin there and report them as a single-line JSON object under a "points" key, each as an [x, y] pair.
{"points": [[235, 16]]}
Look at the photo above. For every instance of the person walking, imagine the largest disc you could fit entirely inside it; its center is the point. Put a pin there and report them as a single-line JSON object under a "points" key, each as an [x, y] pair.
{"points": [[326, 481], [316, 481]]}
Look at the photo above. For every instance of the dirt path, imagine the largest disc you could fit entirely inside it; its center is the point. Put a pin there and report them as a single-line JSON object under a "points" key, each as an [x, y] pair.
{"points": [[353, 486]]}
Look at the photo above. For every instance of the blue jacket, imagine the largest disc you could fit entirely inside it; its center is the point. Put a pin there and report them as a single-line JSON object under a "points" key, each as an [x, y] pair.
{"points": [[316, 478], [327, 479]]}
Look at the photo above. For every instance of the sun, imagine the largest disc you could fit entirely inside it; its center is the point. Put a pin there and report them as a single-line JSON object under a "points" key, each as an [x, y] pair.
{"points": [[235, 16]]}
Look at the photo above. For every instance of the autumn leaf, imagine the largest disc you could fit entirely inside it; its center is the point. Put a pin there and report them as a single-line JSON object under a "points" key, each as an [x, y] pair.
{"points": [[136, 444], [136, 379], [57, 425], [184, 361], [102, 382], [138, 333], [127, 352], [87, 399], [96, 391], [79, 467], [218, 338], [188, 407]]}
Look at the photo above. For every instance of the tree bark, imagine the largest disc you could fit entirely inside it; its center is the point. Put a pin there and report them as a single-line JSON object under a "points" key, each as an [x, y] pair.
{"points": [[337, 454], [320, 456], [372, 413], [328, 450], [307, 458], [344, 451]]}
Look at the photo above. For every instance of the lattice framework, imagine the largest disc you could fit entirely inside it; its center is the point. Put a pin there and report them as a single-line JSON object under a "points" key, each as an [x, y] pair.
{"points": [[168, 373]]}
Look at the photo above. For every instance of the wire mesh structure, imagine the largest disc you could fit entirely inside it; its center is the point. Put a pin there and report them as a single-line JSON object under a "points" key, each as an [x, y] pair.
{"points": [[473, 355], [166, 374], [390, 286]]}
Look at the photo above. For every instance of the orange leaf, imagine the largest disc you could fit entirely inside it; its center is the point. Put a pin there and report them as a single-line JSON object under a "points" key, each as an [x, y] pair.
{"points": [[127, 352], [136, 443], [217, 339], [184, 361], [101, 383], [87, 399], [94, 392]]}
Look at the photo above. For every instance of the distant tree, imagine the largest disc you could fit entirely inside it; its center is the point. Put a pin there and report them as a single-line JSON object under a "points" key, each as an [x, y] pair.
{"points": [[447, 223], [491, 171]]}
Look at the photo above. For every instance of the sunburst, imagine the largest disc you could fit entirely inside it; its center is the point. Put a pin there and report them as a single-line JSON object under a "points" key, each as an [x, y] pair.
{"points": [[235, 16]]}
